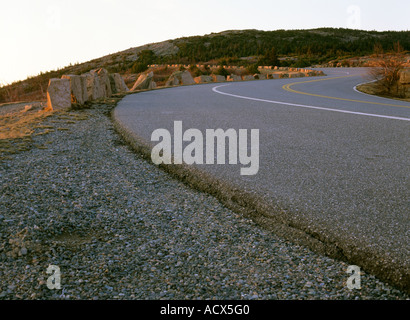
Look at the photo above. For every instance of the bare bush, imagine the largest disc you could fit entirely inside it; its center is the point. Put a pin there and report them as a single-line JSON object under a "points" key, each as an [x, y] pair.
{"points": [[386, 70]]}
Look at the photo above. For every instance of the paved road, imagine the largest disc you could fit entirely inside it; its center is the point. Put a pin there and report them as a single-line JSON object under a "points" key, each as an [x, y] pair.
{"points": [[334, 162]]}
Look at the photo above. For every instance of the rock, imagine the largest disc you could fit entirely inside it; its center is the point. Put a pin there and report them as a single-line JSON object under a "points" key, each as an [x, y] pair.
{"points": [[104, 82], [98, 84], [203, 79], [118, 83], [404, 83], [405, 76], [58, 94], [273, 76], [248, 77], [218, 78], [144, 81], [296, 75], [233, 77], [32, 107], [78, 87], [172, 81], [260, 76], [180, 77], [310, 73], [83, 79], [93, 86], [112, 83], [186, 78]]}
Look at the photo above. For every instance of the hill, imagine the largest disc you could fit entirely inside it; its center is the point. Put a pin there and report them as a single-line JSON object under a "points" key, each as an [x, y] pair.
{"points": [[292, 48]]}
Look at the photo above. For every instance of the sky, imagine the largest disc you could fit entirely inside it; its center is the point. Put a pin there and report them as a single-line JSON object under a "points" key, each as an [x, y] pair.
{"points": [[42, 35]]}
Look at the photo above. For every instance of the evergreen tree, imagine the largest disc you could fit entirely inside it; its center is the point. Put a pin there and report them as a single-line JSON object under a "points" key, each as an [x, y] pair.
{"points": [[270, 58], [145, 57]]}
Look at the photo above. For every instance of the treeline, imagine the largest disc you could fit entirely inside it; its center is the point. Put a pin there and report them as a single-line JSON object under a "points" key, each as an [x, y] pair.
{"points": [[308, 46]]}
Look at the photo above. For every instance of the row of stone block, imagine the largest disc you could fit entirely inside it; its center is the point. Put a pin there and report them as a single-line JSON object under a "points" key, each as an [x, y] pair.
{"points": [[78, 89], [212, 67], [146, 80]]}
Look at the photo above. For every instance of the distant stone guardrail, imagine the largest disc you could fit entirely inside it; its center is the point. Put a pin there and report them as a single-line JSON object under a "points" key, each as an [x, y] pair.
{"points": [[99, 83], [183, 77]]}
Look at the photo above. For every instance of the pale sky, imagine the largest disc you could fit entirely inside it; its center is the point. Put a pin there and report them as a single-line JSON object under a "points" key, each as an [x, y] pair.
{"points": [[42, 35]]}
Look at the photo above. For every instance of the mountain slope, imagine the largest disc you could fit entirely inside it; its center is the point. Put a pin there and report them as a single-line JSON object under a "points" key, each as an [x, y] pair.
{"points": [[295, 48]]}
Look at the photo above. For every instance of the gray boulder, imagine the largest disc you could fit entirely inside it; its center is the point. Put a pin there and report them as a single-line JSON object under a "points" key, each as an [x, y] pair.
{"points": [[233, 77], [94, 91], [180, 77], [104, 82], [203, 79], [218, 78], [248, 77], [117, 83], [144, 81], [58, 94], [78, 87]]}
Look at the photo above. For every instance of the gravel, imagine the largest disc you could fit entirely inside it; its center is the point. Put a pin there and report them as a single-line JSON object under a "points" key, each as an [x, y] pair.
{"points": [[120, 228]]}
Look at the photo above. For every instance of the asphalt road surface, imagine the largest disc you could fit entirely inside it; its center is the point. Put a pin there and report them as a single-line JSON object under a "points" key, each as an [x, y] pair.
{"points": [[334, 162]]}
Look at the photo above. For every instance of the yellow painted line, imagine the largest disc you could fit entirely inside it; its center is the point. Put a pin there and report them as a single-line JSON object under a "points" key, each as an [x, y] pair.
{"points": [[288, 86]]}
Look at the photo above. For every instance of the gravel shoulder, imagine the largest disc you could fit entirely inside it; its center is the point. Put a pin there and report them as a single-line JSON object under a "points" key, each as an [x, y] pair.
{"points": [[118, 227]]}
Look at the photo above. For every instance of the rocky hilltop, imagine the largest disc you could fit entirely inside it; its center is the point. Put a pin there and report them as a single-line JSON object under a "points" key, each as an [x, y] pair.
{"points": [[246, 48]]}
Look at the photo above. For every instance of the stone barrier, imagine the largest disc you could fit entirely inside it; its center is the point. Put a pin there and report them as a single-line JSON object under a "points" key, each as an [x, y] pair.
{"points": [[78, 88], [144, 82], [58, 94], [203, 79], [90, 86]]}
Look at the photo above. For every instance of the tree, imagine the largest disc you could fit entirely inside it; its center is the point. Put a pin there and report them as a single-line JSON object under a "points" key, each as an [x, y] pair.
{"points": [[252, 68], [270, 58], [386, 72], [145, 57], [378, 49]]}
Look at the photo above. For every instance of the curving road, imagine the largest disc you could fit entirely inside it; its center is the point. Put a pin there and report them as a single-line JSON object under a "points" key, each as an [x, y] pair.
{"points": [[334, 162]]}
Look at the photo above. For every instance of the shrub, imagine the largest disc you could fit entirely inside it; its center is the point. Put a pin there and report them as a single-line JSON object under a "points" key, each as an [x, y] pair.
{"points": [[387, 70], [252, 68], [221, 71], [196, 72]]}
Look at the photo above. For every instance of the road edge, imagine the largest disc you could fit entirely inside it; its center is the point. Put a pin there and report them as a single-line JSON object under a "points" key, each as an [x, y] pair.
{"points": [[272, 217]]}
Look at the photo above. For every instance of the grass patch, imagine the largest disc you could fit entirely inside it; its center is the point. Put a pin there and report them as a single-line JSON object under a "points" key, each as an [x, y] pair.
{"points": [[18, 127], [21, 124], [43, 132]]}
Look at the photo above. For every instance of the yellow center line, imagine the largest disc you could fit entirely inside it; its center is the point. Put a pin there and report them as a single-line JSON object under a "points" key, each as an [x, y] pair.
{"points": [[287, 87]]}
